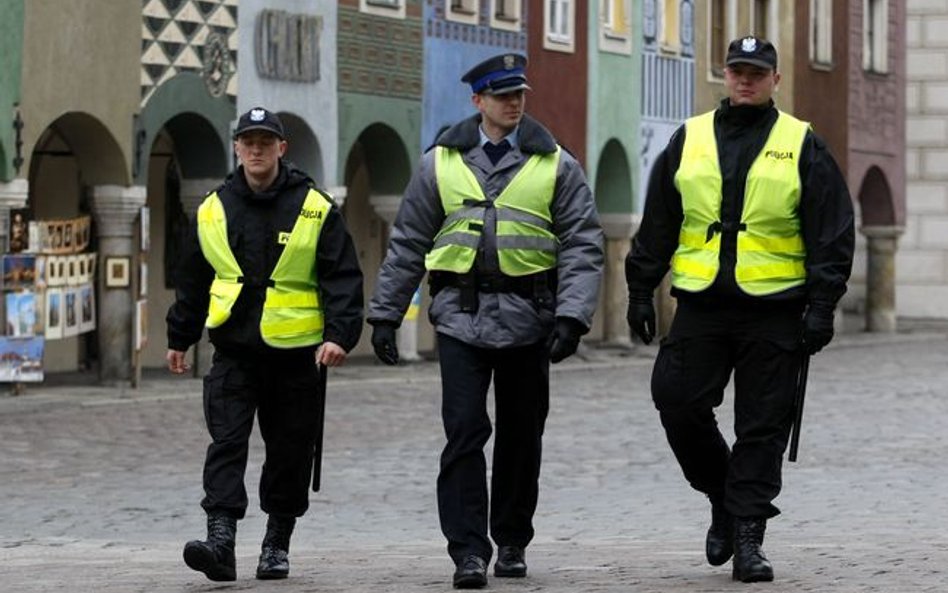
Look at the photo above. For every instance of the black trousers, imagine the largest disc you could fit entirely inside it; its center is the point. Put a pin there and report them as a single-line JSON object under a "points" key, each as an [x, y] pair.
{"points": [[706, 344], [283, 392], [522, 400]]}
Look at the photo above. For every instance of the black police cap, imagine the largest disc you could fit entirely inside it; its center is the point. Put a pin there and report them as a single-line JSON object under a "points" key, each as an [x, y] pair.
{"points": [[752, 50], [259, 118], [501, 74]]}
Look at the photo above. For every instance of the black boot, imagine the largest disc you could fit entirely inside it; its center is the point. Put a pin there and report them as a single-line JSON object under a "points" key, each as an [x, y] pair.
{"points": [[750, 564], [215, 557], [719, 545], [274, 561], [510, 562]]}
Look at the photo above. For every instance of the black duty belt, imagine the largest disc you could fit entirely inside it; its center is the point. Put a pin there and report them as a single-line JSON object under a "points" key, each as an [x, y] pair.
{"points": [[522, 285]]}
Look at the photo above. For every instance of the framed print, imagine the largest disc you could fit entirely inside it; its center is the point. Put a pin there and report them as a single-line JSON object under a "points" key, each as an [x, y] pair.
{"points": [[39, 272], [19, 230], [72, 270], [141, 325], [81, 231], [71, 311], [53, 325], [117, 272], [19, 271], [90, 265], [143, 279], [21, 314], [86, 308], [144, 228], [21, 359]]}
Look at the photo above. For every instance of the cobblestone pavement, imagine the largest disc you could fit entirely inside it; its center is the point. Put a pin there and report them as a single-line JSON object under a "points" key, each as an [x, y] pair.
{"points": [[99, 487]]}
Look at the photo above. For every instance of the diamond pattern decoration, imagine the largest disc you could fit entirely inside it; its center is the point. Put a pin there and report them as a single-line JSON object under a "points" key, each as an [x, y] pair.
{"points": [[174, 33]]}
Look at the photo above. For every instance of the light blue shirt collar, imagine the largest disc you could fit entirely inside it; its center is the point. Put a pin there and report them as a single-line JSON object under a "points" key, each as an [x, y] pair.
{"points": [[513, 137]]}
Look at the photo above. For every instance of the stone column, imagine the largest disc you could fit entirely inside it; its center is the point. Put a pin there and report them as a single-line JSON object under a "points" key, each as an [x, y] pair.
{"points": [[13, 194], [192, 193], [618, 229], [387, 207], [880, 277], [116, 209]]}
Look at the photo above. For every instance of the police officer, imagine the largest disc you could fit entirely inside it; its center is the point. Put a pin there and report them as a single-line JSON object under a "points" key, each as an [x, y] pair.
{"points": [[750, 210], [502, 219], [271, 271]]}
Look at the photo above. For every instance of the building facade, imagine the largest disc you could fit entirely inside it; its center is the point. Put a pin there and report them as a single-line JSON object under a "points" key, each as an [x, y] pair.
{"points": [[922, 261]]}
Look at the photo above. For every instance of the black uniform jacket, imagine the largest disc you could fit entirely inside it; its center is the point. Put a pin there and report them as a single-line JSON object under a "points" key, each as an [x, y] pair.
{"points": [[826, 213], [254, 221]]}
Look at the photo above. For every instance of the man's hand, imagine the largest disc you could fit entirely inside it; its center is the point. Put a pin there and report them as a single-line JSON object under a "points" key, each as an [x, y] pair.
{"points": [[817, 327], [383, 341], [176, 362], [330, 354], [641, 316], [564, 340]]}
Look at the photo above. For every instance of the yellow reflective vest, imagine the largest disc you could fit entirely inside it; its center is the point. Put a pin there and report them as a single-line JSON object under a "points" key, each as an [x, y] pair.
{"points": [[292, 315], [770, 250], [525, 240]]}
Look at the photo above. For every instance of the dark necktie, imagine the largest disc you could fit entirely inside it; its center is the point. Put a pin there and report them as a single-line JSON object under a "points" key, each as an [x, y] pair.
{"points": [[496, 151]]}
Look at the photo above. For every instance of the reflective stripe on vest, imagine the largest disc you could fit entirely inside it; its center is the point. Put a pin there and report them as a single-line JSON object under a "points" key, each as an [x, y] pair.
{"points": [[525, 240], [770, 251], [292, 316]]}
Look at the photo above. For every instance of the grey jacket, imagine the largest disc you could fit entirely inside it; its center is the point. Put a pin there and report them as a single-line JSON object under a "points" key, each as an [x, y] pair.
{"points": [[502, 319]]}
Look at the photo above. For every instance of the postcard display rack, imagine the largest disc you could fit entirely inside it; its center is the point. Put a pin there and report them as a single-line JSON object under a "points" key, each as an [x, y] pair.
{"points": [[48, 289]]}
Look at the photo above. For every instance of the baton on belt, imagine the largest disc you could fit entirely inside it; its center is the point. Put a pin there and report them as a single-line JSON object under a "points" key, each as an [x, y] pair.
{"points": [[798, 407], [320, 422]]}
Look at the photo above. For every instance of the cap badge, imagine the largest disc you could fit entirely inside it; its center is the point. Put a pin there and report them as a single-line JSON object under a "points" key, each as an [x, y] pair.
{"points": [[257, 114], [508, 62], [749, 44]]}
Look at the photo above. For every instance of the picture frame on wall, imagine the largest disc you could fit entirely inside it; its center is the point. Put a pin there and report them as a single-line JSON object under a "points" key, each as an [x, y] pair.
{"points": [[86, 308], [70, 311], [53, 325], [19, 271], [21, 359], [117, 272], [21, 314], [145, 227]]}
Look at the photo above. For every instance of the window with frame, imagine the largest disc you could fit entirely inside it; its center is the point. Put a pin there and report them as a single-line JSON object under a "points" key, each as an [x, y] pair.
{"points": [[462, 11], [717, 36], [615, 26], [559, 19], [389, 8], [821, 32], [505, 14], [875, 35], [670, 39]]}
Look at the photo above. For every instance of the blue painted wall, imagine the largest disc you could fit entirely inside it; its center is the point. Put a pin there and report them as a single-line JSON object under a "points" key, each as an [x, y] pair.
{"points": [[450, 50]]}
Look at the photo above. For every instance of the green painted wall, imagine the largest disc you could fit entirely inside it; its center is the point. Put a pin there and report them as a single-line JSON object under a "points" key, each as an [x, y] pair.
{"points": [[357, 112], [615, 98], [11, 53], [200, 128]]}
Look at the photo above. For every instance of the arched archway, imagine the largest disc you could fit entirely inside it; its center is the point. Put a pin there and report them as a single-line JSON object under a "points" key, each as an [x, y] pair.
{"points": [[613, 188], [303, 147], [875, 199], [186, 159], [376, 172], [879, 227], [73, 154]]}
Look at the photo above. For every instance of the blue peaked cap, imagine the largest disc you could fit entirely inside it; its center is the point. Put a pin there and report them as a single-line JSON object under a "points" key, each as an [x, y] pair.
{"points": [[501, 74]]}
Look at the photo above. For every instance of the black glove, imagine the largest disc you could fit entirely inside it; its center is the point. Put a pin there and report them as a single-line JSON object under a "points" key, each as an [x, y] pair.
{"points": [[564, 340], [817, 327], [383, 341], [641, 315]]}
